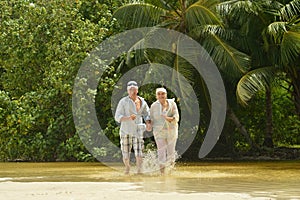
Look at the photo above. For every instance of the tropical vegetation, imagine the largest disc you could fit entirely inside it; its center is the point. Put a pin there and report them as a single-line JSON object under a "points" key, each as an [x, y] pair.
{"points": [[254, 43]]}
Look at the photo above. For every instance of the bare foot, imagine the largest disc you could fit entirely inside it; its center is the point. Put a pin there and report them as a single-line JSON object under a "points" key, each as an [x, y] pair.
{"points": [[162, 170], [139, 172], [127, 169]]}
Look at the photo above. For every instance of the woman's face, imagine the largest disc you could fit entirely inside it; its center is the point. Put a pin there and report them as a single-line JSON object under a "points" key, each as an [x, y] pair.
{"points": [[161, 96]]}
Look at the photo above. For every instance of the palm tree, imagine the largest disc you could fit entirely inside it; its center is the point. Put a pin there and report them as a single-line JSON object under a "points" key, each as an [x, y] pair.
{"points": [[249, 18], [283, 43], [199, 20], [274, 48]]}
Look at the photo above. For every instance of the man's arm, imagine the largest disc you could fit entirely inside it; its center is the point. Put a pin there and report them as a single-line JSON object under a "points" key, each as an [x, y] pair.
{"points": [[120, 113], [146, 113], [147, 118]]}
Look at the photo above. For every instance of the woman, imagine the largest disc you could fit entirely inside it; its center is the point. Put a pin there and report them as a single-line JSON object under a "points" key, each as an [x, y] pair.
{"points": [[164, 118]]}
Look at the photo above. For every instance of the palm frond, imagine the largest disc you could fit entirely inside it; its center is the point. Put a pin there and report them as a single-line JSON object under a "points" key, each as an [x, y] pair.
{"points": [[246, 6], [201, 13], [204, 31], [166, 4], [182, 71], [290, 10], [135, 55], [239, 11], [286, 36], [224, 8], [276, 30], [254, 81], [171, 60], [290, 47], [174, 72], [230, 61], [137, 15]]}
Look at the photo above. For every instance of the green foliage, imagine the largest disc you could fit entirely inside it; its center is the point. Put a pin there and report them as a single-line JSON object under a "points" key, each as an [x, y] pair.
{"points": [[42, 46], [285, 121]]}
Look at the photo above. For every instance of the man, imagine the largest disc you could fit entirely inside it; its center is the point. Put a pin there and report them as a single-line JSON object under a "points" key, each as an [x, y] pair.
{"points": [[131, 111]]}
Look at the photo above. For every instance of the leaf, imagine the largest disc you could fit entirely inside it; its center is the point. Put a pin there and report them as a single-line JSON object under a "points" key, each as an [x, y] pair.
{"points": [[183, 73], [231, 61], [165, 4], [254, 81], [276, 31], [285, 35], [204, 31], [137, 15], [290, 10], [138, 51], [201, 13], [290, 46], [239, 10]]}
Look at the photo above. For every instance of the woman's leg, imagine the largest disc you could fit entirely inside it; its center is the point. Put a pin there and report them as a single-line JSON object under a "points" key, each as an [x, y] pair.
{"points": [[171, 152], [161, 153]]}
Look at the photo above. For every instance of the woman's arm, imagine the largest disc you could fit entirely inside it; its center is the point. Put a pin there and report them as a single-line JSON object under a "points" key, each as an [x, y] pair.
{"points": [[174, 113]]}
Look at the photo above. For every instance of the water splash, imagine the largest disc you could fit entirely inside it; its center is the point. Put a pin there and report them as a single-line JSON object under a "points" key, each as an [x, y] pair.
{"points": [[151, 163]]}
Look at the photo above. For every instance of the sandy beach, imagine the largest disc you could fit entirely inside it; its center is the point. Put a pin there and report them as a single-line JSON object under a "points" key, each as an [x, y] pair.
{"points": [[99, 191], [205, 181]]}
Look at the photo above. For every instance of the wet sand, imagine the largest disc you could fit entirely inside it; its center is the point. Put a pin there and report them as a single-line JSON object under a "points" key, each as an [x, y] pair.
{"points": [[205, 181], [99, 191]]}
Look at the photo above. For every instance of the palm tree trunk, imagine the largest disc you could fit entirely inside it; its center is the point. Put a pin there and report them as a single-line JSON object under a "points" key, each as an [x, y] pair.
{"points": [[268, 141], [239, 125], [296, 92]]}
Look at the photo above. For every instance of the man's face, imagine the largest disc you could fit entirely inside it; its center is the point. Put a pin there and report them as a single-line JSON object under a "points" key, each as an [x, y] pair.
{"points": [[132, 91]]}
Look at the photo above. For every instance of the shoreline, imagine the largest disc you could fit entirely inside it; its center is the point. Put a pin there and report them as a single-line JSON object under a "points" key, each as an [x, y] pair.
{"points": [[102, 190], [188, 181], [276, 154]]}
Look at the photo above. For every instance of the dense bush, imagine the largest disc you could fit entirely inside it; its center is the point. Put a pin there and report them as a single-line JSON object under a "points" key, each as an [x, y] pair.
{"points": [[43, 44], [42, 47]]}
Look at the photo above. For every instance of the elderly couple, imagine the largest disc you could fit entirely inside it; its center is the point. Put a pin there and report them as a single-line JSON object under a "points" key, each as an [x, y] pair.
{"points": [[162, 117]]}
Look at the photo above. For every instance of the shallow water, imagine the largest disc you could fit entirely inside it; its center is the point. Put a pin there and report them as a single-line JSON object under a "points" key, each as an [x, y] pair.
{"points": [[274, 180]]}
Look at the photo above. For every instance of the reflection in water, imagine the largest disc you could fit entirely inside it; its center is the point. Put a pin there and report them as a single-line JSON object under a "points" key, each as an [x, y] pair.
{"points": [[276, 180]]}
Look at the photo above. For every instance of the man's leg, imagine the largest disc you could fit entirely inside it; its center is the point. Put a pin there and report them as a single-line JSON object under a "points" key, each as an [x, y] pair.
{"points": [[126, 143], [126, 162], [139, 162], [138, 146]]}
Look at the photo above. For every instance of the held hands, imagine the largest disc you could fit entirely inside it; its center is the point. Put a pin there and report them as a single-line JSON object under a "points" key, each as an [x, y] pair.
{"points": [[148, 122], [148, 126]]}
